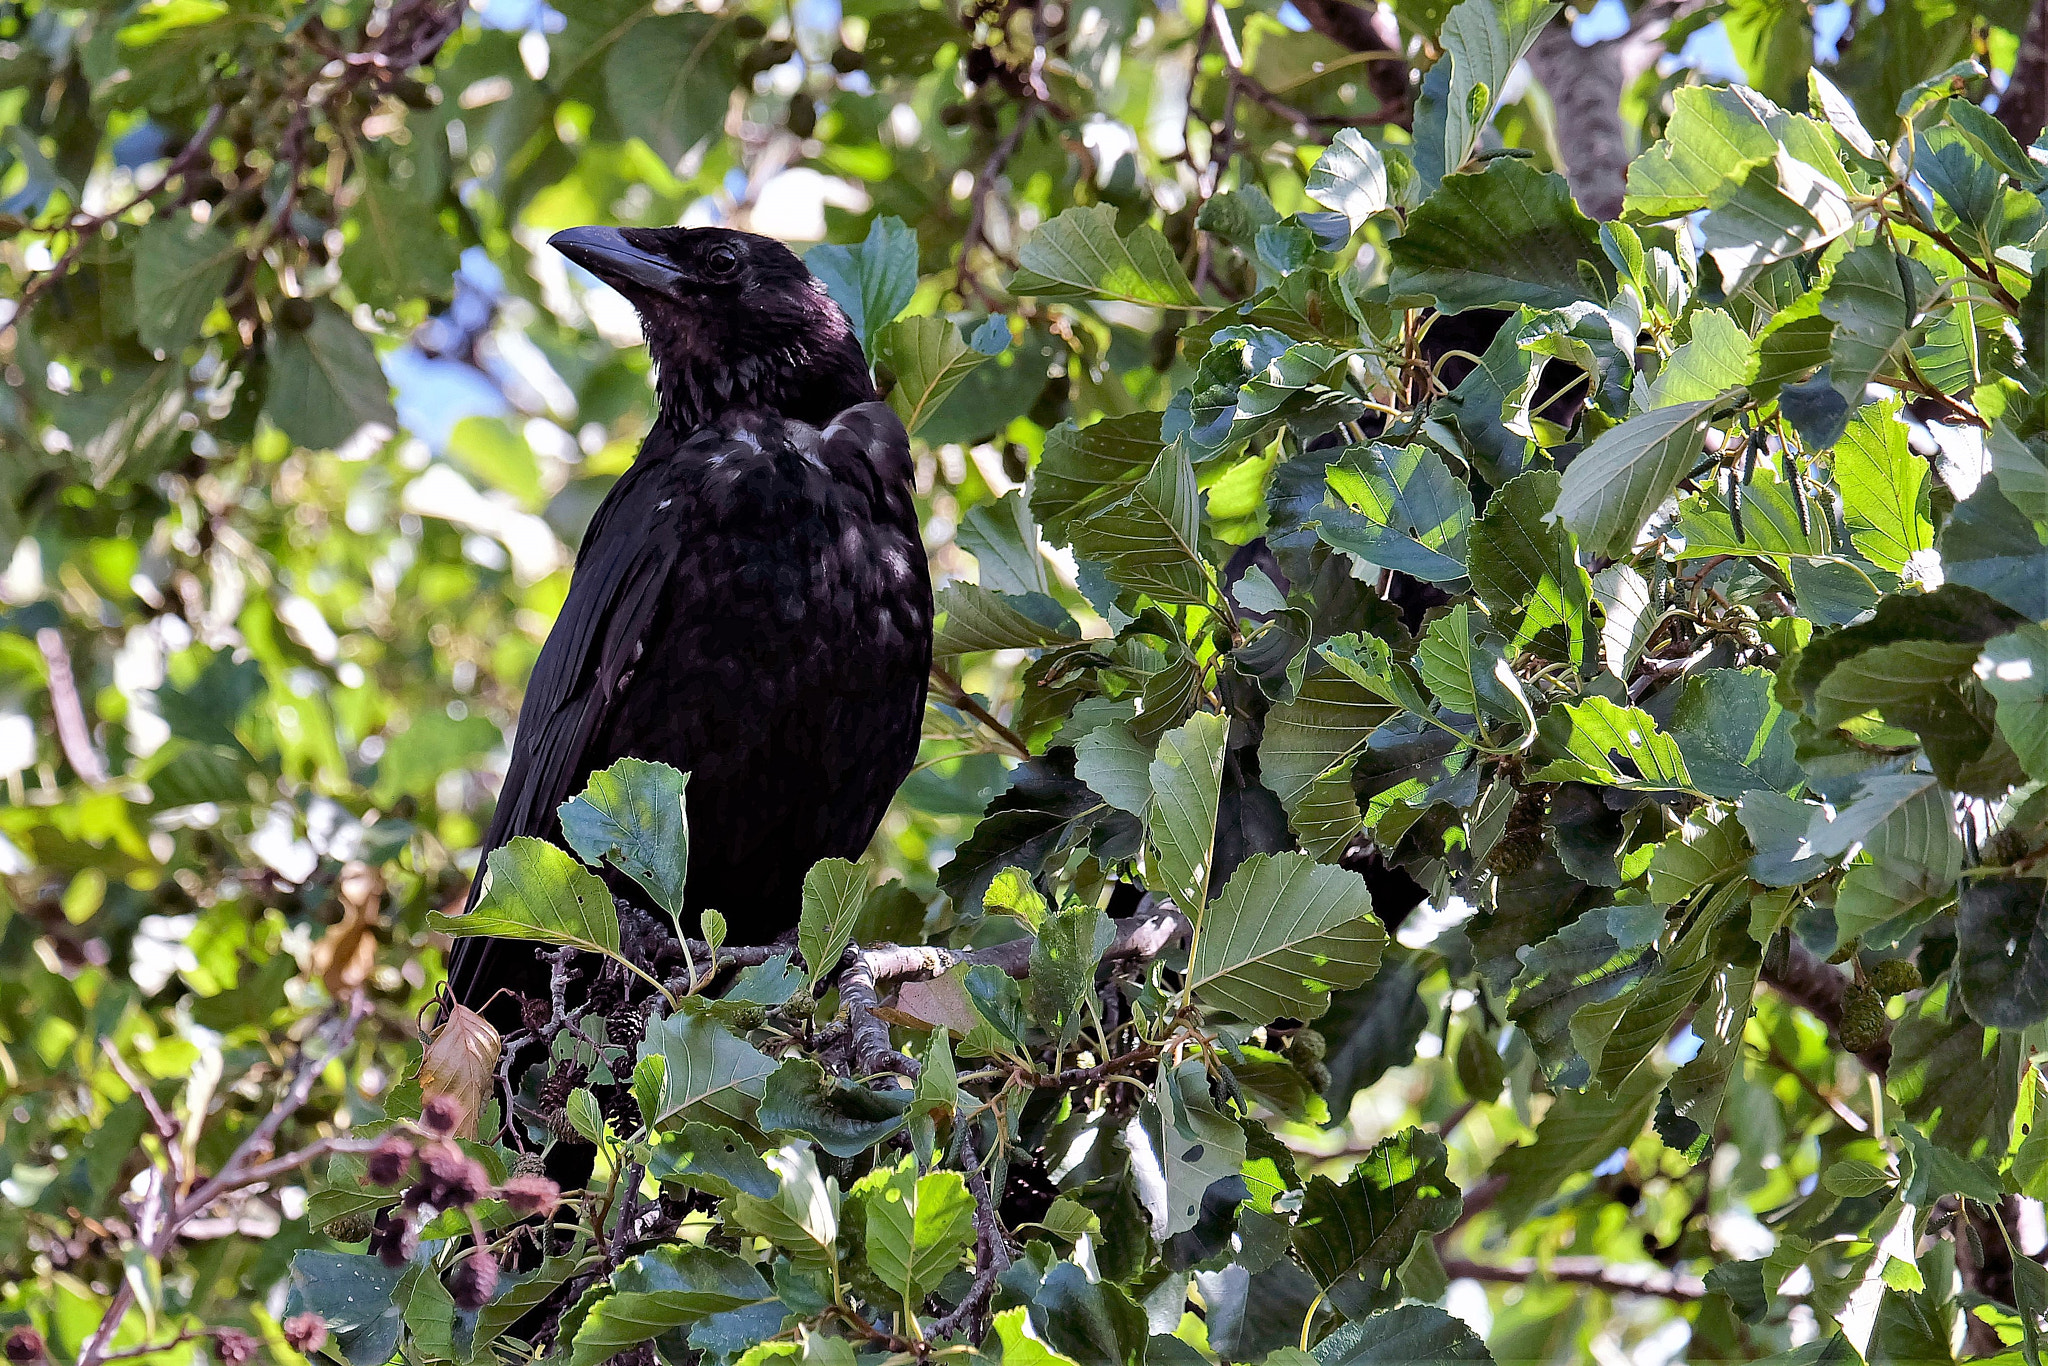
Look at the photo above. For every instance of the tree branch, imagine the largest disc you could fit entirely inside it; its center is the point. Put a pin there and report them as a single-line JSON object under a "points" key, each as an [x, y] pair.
{"points": [[1585, 86], [1616, 1278], [1370, 28], [1805, 981]]}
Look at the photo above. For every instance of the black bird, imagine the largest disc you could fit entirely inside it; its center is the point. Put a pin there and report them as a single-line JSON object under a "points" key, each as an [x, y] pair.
{"points": [[751, 604]]}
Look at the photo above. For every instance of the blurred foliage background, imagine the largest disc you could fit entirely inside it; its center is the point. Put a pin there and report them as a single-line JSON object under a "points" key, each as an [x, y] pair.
{"points": [[302, 423]]}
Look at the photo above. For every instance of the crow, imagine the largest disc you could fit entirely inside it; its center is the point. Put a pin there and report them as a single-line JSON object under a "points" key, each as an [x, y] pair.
{"points": [[751, 603]]}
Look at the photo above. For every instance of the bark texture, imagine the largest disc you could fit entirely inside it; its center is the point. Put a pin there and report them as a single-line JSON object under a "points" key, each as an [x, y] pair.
{"points": [[1585, 86], [2023, 108], [1370, 28]]}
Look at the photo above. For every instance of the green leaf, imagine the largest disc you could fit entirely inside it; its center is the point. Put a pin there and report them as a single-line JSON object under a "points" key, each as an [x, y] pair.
{"points": [[1611, 746], [669, 81], [1187, 780], [1116, 765], [980, 619], [834, 893], [1778, 209], [1524, 569], [710, 1158], [2014, 669], [325, 383], [666, 1288], [1350, 177], [1400, 509], [710, 1074], [1004, 542], [1625, 617], [917, 1227], [803, 1217], [1482, 40], [1581, 965], [1281, 934], [1873, 316], [1509, 234], [1580, 1131], [1953, 1076], [871, 282], [2002, 950], [1852, 1178], [1070, 943], [1884, 488], [1777, 827], [1719, 356], [1991, 545], [1198, 1146], [1353, 1237], [1086, 468], [929, 358], [841, 1116], [1771, 523], [1093, 1322], [1716, 136], [1306, 753], [1080, 255], [1611, 489], [1150, 538], [1406, 1335], [182, 267], [1732, 734], [1466, 668], [632, 814], [399, 249], [533, 890]]}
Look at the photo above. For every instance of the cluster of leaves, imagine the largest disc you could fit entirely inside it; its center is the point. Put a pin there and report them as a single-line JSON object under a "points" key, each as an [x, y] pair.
{"points": [[1663, 597]]}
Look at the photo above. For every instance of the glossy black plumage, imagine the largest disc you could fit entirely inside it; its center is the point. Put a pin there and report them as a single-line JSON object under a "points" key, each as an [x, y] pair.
{"points": [[751, 604]]}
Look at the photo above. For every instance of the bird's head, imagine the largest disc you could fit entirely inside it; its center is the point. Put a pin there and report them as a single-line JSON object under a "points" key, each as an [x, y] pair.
{"points": [[734, 321]]}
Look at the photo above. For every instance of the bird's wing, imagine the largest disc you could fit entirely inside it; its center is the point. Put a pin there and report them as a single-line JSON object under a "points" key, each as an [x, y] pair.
{"points": [[620, 570]]}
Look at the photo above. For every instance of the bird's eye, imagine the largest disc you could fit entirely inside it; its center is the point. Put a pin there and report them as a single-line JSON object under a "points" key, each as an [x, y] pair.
{"points": [[722, 261]]}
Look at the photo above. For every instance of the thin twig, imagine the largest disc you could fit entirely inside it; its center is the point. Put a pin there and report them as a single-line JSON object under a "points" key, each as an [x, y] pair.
{"points": [[74, 734], [955, 695], [1617, 1278]]}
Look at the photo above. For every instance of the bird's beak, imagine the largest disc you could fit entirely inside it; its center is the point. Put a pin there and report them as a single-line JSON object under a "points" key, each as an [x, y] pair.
{"points": [[606, 253]]}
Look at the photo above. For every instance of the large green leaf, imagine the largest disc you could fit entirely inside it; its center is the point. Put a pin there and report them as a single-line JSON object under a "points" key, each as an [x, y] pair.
{"points": [[1991, 545], [532, 890], [1482, 40], [1283, 931], [1406, 1335], [1719, 356], [1581, 965], [1778, 209], [2002, 950], [1581, 1130], [917, 1227], [1306, 753], [1884, 488], [1081, 255], [669, 81], [872, 281], [399, 249], [2014, 669], [325, 383], [709, 1073], [929, 358], [834, 893], [1150, 539], [1732, 733], [1507, 235], [978, 618], [182, 267], [632, 814], [1399, 509], [1354, 1236], [666, 1288], [1873, 316], [1598, 742], [1187, 780], [1715, 136], [1197, 1145], [1612, 487], [1465, 666], [1086, 468], [1524, 569], [1350, 177]]}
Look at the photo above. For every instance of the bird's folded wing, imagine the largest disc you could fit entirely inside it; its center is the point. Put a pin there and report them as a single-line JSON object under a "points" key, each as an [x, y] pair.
{"points": [[623, 563]]}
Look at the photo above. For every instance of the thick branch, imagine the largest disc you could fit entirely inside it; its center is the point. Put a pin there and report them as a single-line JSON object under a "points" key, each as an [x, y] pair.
{"points": [[1585, 86], [1616, 1278]]}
